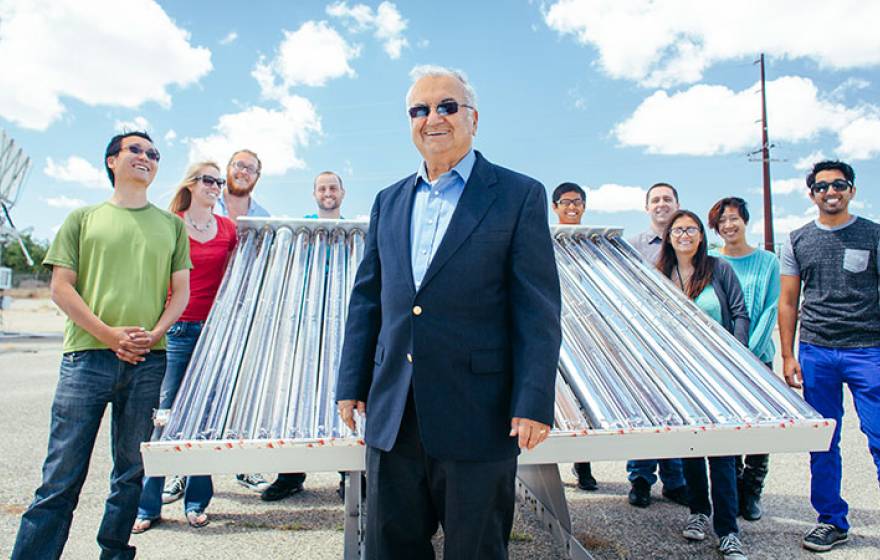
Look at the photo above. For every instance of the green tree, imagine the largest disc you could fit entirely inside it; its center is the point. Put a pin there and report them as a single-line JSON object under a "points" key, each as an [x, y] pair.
{"points": [[14, 258]]}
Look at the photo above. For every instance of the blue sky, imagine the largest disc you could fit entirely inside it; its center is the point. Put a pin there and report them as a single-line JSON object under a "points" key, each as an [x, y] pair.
{"points": [[612, 95]]}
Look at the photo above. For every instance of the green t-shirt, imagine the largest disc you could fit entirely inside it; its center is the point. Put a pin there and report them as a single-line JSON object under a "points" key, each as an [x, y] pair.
{"points": [[123, 259], [708, 302]]}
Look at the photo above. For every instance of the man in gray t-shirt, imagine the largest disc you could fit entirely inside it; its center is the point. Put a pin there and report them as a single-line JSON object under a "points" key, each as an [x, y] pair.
{"points": [[837, 260], [661, 202]]}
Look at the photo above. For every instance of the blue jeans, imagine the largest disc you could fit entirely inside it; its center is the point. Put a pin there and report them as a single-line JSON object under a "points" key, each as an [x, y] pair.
{"points": [[725, 501], [89, 380], [670, 471], [825, 370], [182, 338]]}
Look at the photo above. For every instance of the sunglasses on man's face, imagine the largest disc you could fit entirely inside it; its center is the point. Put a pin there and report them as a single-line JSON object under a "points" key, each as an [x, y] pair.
{"points": [[211, 181], [443, 109], [566, 202], [137, 149], [838, 185]]}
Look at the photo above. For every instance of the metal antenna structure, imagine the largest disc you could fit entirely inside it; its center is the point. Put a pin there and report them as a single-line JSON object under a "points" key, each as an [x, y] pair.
{"points": [[769, 244], [14, 167]]}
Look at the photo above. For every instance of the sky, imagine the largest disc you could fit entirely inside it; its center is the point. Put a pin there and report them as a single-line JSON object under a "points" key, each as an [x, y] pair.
{"points": [[613, 95]]}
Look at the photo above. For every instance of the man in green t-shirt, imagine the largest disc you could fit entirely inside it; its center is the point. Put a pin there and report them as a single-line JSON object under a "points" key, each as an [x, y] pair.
{"points": [[113, 267]]}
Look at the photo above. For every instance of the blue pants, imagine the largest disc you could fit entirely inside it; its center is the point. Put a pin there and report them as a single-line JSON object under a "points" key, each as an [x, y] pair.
{"points": [[182, 338], [88, 381], [670, 471], [825, 370], [725, 501]]}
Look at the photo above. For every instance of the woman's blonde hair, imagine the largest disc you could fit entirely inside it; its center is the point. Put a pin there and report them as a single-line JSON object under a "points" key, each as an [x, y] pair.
{"points": [[183, 197]]}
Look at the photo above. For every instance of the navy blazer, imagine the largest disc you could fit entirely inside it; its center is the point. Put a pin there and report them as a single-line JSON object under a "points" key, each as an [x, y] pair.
{"points": [[479, 341]]}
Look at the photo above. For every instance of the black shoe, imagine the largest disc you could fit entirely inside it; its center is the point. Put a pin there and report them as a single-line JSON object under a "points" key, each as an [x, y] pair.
{"points": [[584, 474], [281, 489], [678, 495], [750, 506], [640, 493], [823, 537]]}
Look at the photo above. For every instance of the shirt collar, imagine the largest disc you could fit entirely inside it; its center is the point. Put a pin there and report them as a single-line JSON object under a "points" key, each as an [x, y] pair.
{"points": [[651, 236], [463, 168]]}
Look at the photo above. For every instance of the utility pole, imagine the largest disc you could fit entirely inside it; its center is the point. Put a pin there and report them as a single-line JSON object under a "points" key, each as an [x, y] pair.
{"points": [[765, 160]]}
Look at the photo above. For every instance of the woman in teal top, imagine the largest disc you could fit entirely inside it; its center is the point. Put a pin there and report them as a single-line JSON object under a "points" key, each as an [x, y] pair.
{"points": [[758, 272], [713, 286]]}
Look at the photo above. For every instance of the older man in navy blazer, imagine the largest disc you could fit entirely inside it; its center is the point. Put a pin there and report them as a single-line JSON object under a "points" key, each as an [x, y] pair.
{"points": [[452, 338]]}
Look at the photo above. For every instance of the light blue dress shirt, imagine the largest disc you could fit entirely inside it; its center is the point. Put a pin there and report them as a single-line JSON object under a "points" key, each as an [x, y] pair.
{"points": [[432, 210], [254, 209]]}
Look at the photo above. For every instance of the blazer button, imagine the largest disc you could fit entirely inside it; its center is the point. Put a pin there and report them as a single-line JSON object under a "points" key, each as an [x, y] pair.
{"points": [[409, 357], [417, 310]]}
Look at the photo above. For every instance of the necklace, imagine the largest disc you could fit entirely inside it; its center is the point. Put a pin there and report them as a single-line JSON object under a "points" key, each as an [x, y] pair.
{"points": [[680, 280], [197, 227]]}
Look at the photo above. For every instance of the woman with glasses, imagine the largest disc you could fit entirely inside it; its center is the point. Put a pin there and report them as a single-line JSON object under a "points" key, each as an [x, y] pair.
{"points": [[712, 284], [758, 273], [212, 239]]}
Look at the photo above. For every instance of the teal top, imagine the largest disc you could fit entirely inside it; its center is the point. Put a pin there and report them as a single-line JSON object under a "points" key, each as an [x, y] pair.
{"points": [[708, 302], [758, 273]]}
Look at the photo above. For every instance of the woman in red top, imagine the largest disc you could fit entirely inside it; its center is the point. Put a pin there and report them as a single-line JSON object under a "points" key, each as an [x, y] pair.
{"points": [[212, 239]]}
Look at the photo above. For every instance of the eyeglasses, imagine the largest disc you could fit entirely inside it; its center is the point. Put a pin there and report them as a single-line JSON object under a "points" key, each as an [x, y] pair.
{"points": [[137, 149], [566, 202], [211, 181], [839, 185], [690, 231], [444, 108], [242, 166]]}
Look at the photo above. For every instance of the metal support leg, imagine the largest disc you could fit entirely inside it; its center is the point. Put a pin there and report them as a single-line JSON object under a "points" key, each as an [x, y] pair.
{"points": [[540, 488], [354, 517]]}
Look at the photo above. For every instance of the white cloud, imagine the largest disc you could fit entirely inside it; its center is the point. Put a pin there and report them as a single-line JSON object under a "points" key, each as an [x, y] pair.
{"points": [[806, 163], [312, 55], [275, 134], [137, 123], [90, 52], [64, 202], [615, 198], [788, 186], [76, 170], [708, 120], [860, 139], [783, 223], [229, 38], [170, 137], [850, 84], [666, 43], [386, 22]]}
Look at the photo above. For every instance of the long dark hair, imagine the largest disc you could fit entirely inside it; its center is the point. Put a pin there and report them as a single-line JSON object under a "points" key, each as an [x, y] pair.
{"points": [[703, 263]]}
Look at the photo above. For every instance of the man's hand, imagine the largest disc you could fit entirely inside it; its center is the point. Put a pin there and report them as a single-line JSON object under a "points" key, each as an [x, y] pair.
{"points": [[791, 369], [128, 343], [530, 432], [346, 412]]}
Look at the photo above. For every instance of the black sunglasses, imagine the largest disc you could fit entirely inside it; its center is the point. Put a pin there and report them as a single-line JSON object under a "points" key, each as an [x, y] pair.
{"points": [[839, 185], [443, 109], [137, 150], [211, 181]]}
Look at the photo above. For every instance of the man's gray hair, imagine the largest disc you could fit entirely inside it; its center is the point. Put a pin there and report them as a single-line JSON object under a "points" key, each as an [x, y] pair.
{"points": [[429, 70]]}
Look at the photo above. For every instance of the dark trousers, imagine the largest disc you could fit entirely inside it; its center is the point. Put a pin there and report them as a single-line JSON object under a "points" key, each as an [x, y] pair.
{"points": [[722, 472], [409, 493], [90, 380], [751, 472]]}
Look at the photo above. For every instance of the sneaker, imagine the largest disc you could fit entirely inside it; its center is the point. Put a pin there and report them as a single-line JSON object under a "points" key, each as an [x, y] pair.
{"points": [[678, 495], [640, 493], [254, 481], [584, 474], [732, 548], [824, 537], [280, 489], [697, 525], [173, 490]]}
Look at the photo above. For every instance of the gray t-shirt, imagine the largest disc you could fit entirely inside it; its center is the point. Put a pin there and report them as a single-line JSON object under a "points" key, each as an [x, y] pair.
{"points": [[840, 269], [648, 244]]}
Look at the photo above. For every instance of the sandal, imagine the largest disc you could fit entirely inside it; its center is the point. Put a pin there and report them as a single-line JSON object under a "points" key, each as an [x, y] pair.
{"points": [[142, 525], [192, 517]]}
